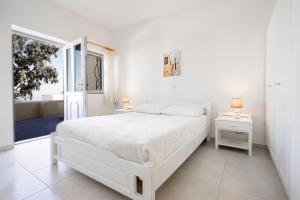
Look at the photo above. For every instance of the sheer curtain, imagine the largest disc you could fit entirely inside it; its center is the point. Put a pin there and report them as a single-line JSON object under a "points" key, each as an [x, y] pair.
{"points": [[109, 76]]}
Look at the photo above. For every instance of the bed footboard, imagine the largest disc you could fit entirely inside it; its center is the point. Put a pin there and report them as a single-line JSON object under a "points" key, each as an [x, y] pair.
{"points": [[136, 181], [133, 180]]}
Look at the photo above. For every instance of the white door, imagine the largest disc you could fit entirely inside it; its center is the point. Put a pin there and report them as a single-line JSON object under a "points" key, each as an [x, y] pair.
{"points": [[279, 94], [74, 78]]}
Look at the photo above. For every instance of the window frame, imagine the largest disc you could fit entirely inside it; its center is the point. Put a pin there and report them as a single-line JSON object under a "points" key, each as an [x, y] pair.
{"points": [[37, 36]]}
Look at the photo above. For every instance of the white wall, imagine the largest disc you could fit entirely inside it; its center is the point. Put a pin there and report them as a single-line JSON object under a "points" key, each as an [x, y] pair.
{"points": [[45, 17], [222, 44], [95, 108]]}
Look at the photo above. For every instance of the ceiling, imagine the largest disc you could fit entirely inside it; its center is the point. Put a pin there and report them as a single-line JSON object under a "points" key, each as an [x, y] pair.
{"points": [[118, 14]]}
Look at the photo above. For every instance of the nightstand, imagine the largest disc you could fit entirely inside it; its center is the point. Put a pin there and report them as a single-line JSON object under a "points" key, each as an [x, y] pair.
{"points": [[122, 111], [229, 123]]}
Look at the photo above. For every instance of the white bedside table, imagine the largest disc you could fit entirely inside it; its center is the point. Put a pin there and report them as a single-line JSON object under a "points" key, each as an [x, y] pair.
{"points": [[122, 111], [228, 123]]}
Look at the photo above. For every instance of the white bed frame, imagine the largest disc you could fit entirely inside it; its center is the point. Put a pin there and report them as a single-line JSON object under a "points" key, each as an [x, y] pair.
{"points": [[120, 174]]}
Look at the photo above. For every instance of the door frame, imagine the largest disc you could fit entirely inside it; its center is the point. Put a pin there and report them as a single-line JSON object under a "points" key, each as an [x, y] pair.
{"points": [[83, 53], [15, 29]]}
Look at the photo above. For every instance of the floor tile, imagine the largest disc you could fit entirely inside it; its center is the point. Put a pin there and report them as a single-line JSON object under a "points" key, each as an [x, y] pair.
{"points": [[10, 171], [179, 187], [33, 155], [106, 193], [210, 155], [46, 194], [20, 188], [29, 150], [233, 195], [203, 170], [36, 147], [76, 187], [253, 183], [7, 156], [54, 173], [35, 162], [260, 162]]}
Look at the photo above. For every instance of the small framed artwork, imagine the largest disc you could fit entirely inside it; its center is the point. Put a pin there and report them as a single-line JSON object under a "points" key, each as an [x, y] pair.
{"points": [[171, 64]]}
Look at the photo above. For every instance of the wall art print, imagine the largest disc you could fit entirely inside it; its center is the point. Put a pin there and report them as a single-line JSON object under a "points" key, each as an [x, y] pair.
{"points": [[171, 64]]}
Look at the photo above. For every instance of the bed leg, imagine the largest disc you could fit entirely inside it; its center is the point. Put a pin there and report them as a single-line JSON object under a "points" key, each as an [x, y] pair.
{"points": [[53, 150], [148, 182]]}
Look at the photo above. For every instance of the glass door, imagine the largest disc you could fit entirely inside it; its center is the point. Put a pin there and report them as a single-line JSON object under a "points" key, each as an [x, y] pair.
{"points": [[74, 81]]}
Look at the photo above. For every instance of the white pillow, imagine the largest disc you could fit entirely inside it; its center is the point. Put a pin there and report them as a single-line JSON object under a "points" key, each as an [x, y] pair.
{"points": [[184, 110], [152, 108]]}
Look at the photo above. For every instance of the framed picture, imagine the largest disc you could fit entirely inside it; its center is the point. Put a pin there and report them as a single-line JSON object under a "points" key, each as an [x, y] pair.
{"points": [[171, 64]]}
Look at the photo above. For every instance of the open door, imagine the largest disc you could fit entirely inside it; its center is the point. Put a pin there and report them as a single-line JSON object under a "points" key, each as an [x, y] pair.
{"points": [[74, 79]]}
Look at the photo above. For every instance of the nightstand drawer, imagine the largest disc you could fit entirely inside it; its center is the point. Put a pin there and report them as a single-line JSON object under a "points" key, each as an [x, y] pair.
{"points": [[234, 126]]}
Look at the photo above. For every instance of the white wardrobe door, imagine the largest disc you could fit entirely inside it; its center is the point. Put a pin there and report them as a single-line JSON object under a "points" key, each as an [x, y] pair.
{"points": [[284, 92], [295, 139], [279, 95]]}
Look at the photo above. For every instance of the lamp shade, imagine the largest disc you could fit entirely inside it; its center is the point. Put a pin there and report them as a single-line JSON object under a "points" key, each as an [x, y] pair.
{"points": [[125, 100], [236, 103]]}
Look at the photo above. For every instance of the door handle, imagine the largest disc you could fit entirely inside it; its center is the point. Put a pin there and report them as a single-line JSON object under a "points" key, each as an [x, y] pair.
{"points": [[277, 83]]}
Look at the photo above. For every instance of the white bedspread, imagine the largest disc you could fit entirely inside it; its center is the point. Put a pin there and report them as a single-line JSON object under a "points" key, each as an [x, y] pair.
{"points": [[134, 136]]}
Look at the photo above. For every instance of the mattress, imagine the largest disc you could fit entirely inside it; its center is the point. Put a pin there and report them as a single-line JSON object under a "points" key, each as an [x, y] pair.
{"points": [[137, 137]]}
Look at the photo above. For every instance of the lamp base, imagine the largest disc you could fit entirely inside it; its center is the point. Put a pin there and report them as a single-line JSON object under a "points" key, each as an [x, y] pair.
{"points": [[237, 113], [125, 106]]}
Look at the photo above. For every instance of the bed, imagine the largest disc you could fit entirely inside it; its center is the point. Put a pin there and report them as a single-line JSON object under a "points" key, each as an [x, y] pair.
{"points": [[133, 153]]}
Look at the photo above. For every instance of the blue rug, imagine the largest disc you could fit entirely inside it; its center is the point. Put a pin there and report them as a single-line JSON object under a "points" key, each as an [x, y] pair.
{"points": [[32, 128]]}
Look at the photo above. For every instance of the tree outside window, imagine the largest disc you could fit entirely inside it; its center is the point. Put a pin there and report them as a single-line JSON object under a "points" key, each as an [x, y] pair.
{"points": [[31, 65]]}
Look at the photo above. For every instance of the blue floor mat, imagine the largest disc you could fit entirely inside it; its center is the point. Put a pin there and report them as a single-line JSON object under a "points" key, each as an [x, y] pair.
{"points": [[32, 128]]}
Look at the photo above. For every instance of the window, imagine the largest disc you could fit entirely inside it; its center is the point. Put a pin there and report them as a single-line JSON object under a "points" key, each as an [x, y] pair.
{"points": [[38, 69], [38, 76], [94, 73]]}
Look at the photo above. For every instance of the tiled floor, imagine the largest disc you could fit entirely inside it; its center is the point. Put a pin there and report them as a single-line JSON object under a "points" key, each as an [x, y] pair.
{"points": [[227, 174]]}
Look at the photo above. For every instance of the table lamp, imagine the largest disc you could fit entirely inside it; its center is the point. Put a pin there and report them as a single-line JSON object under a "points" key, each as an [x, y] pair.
{"points": [[236, 105], [125, 101]]}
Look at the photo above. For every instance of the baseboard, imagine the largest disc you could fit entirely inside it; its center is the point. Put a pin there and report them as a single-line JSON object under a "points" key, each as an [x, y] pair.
{"points": [[7, 147]]}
